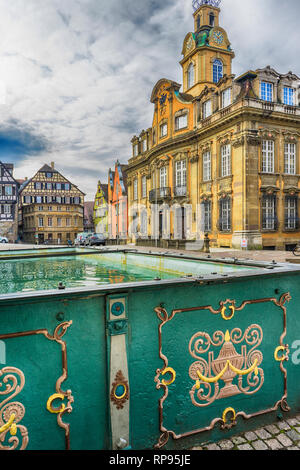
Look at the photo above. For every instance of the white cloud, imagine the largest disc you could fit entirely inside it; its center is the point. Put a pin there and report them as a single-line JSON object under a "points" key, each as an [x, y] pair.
{"points": [[79, 73]]}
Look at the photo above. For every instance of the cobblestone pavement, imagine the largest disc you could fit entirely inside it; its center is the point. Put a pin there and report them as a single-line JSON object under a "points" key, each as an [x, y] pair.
{"points": [[282, 435]]}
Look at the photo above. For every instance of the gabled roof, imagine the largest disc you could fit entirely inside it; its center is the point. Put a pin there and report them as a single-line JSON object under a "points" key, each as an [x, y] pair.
{"points": [[104, 188], [9, 168], [48, 168]]}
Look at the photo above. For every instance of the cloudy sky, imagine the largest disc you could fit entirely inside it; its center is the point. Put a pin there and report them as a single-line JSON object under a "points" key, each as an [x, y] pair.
{"points": [[76, 75]]}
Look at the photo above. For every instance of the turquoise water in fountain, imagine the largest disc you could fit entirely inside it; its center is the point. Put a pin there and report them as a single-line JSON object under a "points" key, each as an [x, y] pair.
{"points": [[94, 270]]}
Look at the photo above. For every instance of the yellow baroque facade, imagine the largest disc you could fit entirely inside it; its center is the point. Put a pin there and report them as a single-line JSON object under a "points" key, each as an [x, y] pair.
{"points": [[222, 156]]}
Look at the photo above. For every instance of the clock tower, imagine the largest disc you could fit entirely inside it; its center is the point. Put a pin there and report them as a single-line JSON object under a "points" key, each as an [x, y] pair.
{"points": [[207, 54]]}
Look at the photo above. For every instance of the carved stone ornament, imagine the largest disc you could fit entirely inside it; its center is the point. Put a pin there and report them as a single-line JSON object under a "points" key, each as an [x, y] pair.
{"points": [[225, 138], [266, 133]]}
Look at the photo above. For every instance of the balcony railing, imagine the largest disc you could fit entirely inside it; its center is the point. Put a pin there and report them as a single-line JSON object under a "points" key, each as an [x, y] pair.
{"points": [[180, 191], [159, 194]]}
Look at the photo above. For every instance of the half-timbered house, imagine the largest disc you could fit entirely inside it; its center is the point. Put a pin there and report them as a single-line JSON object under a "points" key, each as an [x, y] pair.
{"points": [[52, 208], [8, 202]]}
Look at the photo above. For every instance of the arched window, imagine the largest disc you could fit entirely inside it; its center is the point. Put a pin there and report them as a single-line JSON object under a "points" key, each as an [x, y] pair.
{"points": [[211, 19], [190, 76], [217, 70], [198, 21]]}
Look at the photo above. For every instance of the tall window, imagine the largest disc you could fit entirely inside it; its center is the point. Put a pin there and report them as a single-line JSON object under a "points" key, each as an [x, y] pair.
{"points": [[291, 213], [41, 222], [190, 76], [289, 96], [181, 122], [135, 150], [217, 70], [225, 160], [153, 137], [269, 219], [145, 145], [207, 166], [144, 186], [266, 91], [226, 98], [163, 177], [267, 156], [290, 158], [206, 207], [211, 19], [135, 189], [207, 109], [163, 130], [198, 21], [225, 214], [180, 176], [8, 190]]}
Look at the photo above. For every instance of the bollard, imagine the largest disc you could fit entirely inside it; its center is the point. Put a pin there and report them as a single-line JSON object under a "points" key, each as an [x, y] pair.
{"points": [[206, 243]]}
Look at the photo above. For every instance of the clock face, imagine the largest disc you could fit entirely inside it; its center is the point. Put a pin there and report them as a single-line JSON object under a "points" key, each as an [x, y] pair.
{"points": [[218, 37]]}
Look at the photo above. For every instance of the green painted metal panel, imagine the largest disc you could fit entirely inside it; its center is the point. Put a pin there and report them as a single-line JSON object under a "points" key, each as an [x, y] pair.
{"points": [[162, 335], [40, 360]]}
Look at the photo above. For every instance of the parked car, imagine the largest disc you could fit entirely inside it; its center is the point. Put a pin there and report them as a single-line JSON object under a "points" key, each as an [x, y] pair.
{"points": [[3, 240], [87, 239], [81, 237], [96, 239]]}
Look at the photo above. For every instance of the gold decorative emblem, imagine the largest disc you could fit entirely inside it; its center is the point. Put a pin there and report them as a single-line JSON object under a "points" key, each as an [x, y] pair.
{"points": [[225, 372], [120, 390], [228, 365], [11, 413]]}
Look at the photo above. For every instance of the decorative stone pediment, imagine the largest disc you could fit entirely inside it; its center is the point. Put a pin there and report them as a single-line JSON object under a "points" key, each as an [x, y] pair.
{"points": [[163, 161], [290, 136], [180, 156], [205, 196], [268, 72], [223, 194], [188, 44], [266, 133], [291, 191], [225, 138], [269, 190], [207, 91], [206, 147]]}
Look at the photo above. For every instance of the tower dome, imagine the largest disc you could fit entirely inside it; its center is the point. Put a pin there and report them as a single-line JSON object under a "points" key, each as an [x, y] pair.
{"points": [[198, 3]]}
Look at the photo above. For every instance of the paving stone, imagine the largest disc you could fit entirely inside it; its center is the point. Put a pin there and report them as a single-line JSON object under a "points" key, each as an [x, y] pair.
{"points": [[259, 445], [226, 445], [283, 425], [244, 447], [263, 434], [274, 444], [238, 440], [284, 439], [213, 447], [294, 435], [272, 429], [250, 436], [293, 422]]}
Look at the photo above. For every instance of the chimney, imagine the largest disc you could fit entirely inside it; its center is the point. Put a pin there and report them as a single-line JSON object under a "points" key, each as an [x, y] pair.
{"points": [[52, 165]]}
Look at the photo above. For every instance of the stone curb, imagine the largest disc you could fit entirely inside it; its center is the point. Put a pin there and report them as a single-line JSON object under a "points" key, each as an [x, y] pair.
{"points": [[282, 435]]}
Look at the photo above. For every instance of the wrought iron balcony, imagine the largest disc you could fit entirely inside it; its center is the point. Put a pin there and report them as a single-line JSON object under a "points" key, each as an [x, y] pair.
{"points": [[159, 194], [180, 191]]}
